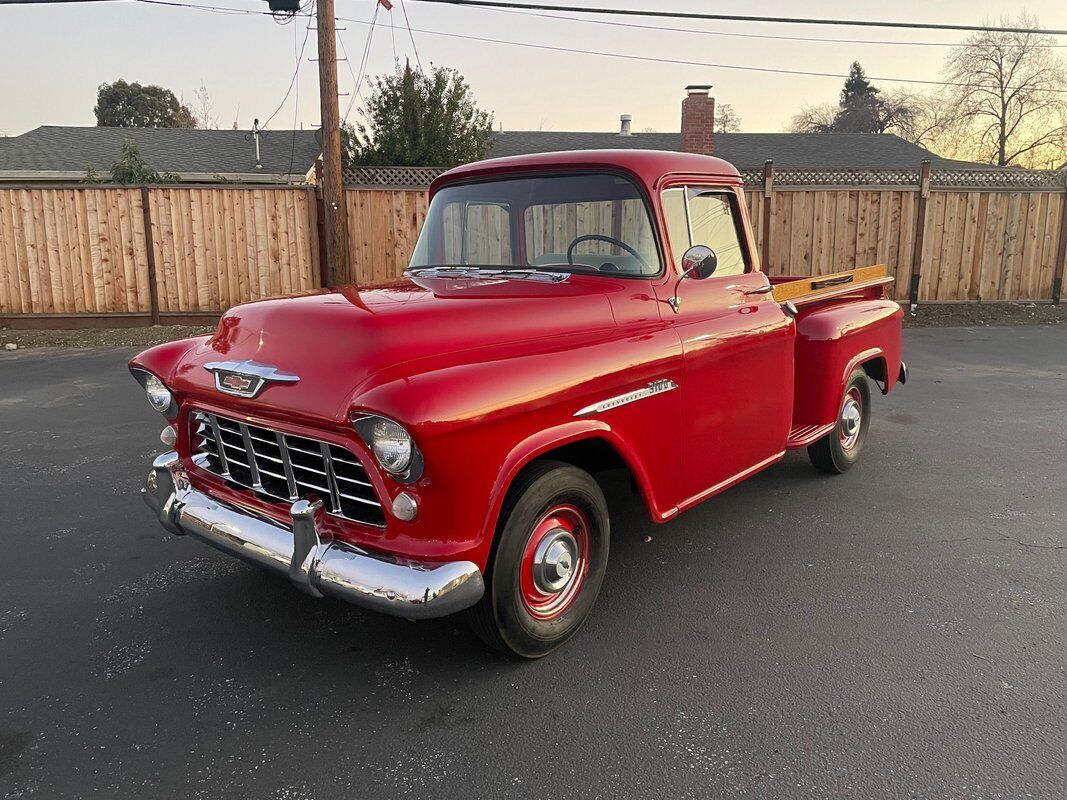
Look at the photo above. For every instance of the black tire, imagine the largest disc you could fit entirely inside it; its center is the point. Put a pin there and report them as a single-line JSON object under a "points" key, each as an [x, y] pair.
{"points": [[832, 453], [502, 617]]}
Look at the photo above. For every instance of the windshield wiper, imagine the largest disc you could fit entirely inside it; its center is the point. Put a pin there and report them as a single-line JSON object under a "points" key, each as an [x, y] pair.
{"points": [[477, 270]]}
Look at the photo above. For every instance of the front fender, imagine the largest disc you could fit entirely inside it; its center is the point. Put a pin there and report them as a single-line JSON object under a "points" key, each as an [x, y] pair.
{"points": [[163, 359], [542, 442]]}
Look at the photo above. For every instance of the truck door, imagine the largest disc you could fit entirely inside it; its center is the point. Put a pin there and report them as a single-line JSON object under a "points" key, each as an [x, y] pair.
{"points": [[737, 344]]}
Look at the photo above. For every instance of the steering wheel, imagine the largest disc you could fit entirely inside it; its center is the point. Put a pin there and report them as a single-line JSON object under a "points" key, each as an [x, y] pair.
{"points": [[591, 237]]}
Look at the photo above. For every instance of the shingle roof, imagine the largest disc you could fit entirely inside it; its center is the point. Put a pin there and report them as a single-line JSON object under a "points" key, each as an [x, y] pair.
{"points": [[743, 150], [53, 148]]}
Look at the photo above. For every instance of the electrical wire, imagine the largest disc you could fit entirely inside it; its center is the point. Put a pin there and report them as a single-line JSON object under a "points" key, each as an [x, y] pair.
{"points": [[680, 61], [296, 72], [609, 54], [364, 61], [404, 8], [703, 32], [634, 12], [296, 100], [392, 35]]}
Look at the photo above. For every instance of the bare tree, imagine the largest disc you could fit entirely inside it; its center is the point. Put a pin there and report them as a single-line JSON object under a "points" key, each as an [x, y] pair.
{"points": [[204, 109], [923, 118], [814, 119], [726, 119], [1008, 90]]}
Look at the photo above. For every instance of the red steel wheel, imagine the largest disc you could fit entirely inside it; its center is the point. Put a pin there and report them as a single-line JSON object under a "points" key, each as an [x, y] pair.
{"points": [[838, 450], [555, 562], [548, 563], [851, 419]]}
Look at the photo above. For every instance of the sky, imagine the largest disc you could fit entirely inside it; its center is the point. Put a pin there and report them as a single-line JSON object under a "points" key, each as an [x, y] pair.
{"points": [[56, 56]]}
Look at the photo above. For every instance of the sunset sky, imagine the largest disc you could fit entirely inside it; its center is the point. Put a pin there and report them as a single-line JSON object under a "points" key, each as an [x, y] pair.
{"points": [[56, 56]]}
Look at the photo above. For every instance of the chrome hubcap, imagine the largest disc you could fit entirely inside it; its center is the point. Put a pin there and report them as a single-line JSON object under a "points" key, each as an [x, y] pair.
{"points": [[554, 560], [851, 418]]}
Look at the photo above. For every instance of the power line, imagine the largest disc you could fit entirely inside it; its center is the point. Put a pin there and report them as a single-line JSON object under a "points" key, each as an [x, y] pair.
{"points": [[606, 54], [634, 12], [357, 82], [296, 72], [296, 102], [680, 61], [404, 8], [703, 32]]}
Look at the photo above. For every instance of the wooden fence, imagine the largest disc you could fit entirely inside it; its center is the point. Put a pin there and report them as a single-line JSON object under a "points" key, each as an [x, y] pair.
{"points": [[152, 254], [976, 244], [122, 255]]}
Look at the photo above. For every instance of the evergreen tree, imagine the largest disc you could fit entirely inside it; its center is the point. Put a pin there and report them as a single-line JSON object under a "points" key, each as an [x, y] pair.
{"points": [[861, 108], [419, 119]]}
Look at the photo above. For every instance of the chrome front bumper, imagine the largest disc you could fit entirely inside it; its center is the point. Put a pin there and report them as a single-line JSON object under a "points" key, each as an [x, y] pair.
{"points": [[320, 568]]}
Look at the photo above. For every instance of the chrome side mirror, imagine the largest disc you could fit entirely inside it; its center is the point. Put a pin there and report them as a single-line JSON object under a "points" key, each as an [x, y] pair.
{"points": [[698, 262]]}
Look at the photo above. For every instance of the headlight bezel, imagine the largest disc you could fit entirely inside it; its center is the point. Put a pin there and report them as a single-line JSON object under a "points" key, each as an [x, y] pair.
{"points": [[369, 427], [148, 380]]}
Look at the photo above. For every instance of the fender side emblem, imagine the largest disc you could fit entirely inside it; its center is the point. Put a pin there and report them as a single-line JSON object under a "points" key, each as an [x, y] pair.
{"points": [[246, 378], [654, 388]]}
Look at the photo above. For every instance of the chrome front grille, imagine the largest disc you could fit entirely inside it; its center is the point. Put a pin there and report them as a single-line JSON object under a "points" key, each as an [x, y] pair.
{"points": [[284, 466]]}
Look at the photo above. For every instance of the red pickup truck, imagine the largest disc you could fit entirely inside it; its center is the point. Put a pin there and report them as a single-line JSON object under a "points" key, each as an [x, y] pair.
{"points": [[431, 446]]}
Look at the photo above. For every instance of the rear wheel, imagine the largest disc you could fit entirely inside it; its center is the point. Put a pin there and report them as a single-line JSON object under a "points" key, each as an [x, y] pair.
{"points": [[549, 561], [838, 450]]}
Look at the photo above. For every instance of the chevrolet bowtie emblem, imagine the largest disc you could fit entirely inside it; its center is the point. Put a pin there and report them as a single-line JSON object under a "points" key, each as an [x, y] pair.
{"points": [[246, 378]]}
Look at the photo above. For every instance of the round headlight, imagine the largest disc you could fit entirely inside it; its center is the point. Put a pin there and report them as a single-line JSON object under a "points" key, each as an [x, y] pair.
{"points": [[391, 445], [158, 395]]}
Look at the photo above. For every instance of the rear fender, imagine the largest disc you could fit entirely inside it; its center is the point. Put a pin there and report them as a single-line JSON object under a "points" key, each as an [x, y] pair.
{"points": [[832, 341]]}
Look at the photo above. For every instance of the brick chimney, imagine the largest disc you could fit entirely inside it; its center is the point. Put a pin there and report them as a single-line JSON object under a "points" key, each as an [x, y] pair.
{"points": [[698, 120]]}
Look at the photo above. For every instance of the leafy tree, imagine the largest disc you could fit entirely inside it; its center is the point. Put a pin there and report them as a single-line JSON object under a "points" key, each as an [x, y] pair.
{"points": [[419, 119], [132, 169], [131, 105]]}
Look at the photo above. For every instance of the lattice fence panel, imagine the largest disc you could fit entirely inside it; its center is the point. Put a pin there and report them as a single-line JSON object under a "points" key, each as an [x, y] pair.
{"points": [[393, 177], [1003, 178], [993, 178]]}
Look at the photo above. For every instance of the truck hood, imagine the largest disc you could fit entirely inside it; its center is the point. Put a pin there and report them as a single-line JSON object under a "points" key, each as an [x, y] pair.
{"points": [[334, 340]]}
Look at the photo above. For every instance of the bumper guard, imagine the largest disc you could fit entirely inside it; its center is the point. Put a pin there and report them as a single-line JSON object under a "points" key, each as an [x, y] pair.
{"points": [[320, 568]]}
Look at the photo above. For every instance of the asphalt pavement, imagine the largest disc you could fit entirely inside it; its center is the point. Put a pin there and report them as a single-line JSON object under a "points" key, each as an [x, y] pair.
{"points": [[898, 631]]}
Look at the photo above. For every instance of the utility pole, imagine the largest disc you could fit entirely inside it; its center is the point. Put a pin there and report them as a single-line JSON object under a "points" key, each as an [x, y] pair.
{"points": [[332, 193]]}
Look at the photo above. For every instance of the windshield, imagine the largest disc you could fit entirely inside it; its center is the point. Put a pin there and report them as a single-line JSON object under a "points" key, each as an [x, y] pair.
{"points": [[590, 223]]}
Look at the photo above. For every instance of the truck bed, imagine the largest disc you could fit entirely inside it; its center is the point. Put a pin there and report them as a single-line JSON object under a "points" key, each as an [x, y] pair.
{"points": [[803, 291]]}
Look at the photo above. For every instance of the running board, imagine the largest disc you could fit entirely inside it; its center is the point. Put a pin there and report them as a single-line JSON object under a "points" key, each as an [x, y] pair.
{"points": [[803, 435]]}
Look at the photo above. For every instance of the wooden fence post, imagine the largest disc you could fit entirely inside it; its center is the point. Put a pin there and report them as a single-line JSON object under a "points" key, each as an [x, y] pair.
{"points": [[920, 230], [150, 255], [768, 190], [320, 223], [1061, 250]]}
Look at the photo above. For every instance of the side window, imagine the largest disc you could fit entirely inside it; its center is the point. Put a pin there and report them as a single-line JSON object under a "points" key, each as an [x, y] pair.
{"points": [[677, 224], [708, 217], [713, 222]]}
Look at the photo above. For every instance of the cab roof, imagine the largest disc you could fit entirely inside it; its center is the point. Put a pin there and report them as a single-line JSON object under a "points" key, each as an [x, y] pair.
{"points": [[648, 166]]}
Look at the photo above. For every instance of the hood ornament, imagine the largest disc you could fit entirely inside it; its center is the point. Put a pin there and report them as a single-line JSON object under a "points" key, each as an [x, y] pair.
{"points": [[246, 378]]}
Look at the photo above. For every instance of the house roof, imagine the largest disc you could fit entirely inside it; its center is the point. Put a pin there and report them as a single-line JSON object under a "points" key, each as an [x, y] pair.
{"points": [[59, 152], [743, 150]]}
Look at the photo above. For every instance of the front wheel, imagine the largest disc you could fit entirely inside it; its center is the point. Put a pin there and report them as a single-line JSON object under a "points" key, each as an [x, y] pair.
{"points": [[838, 450], [549, 561]]}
